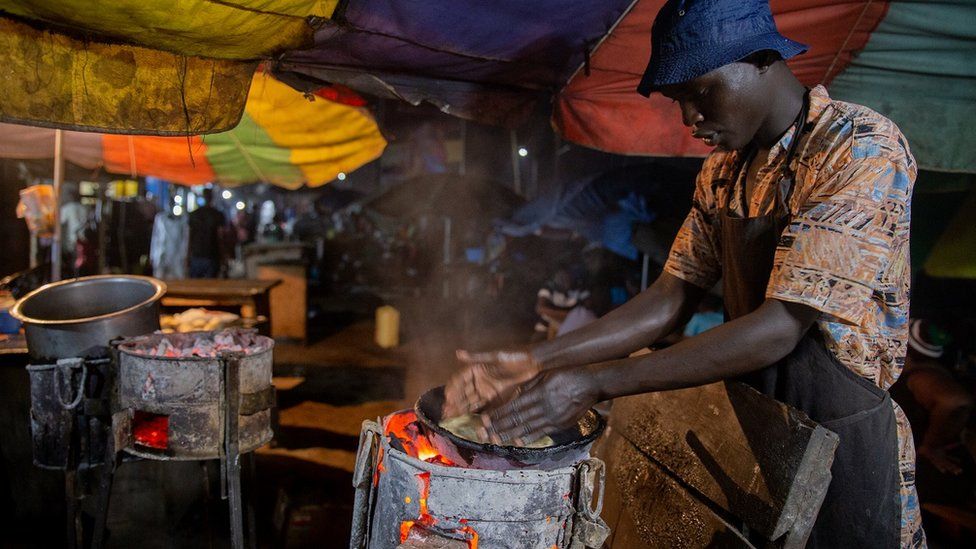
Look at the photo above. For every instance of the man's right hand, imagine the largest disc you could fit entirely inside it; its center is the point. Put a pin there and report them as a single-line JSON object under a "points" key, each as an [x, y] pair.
{"points": [[487, 379]]}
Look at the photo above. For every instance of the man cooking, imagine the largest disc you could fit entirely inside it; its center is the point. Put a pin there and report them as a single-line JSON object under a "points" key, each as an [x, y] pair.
{"points": [[802, 210]]}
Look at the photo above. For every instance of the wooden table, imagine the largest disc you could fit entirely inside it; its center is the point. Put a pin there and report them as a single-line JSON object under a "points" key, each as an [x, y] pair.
{"points": [[13, 344], [252, 296]]}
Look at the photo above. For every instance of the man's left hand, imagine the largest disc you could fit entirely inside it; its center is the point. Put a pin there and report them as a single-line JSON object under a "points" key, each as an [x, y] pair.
{"points": [[550, 402]]}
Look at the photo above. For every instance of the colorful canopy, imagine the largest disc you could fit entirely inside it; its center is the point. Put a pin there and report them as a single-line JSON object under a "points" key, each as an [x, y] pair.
{"points": [[486, 61], [919, 68], [909, 60], [283, 138]]}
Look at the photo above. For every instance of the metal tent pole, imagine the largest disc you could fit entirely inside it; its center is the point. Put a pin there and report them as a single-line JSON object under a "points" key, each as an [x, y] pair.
{"points": [[58, 181]]}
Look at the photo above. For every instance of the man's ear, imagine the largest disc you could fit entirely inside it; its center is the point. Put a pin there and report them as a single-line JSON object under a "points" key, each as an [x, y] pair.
{"points": [[763, 60]]}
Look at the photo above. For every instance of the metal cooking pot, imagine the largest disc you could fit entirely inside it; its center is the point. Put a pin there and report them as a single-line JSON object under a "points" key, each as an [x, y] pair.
{"points": [[571, 445], [79, 317]]}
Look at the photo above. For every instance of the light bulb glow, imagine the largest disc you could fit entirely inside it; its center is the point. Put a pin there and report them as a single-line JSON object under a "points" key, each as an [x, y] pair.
{"points": [[523, 151], [341, 176], [226, 195], [240, 205], [177, 210], [178, 199]]}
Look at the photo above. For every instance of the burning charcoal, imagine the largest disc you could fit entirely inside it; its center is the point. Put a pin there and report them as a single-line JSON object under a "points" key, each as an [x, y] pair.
{"points": [[199, 344], [224, 338], [203, 347], [165, 348]]}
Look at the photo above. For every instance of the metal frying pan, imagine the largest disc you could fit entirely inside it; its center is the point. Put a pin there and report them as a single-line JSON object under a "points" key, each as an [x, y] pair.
{"points": [[571, 445]]}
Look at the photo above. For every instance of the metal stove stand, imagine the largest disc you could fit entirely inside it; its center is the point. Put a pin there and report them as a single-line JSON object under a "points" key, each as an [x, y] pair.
{"points": [[74, 430]]}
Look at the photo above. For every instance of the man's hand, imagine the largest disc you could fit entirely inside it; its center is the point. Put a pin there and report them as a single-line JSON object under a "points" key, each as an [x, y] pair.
{"points": [[552, 401], [487, 379]]}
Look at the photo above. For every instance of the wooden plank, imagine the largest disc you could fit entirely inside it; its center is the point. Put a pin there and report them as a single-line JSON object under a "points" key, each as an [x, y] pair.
{"points": [[751, 456], [215, 288], [13, 344], [644, 507], [289, 300]]}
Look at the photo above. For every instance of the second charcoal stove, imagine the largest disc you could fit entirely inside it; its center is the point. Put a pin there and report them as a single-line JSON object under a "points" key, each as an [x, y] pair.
{"points": [[178, 391], [410, 494]]}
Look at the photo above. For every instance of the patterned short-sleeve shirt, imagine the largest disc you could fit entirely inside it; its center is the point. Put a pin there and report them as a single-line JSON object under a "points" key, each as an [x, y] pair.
{"points": [[845, 250]]}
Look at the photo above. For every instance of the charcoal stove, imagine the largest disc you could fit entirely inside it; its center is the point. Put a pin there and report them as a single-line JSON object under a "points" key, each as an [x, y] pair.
{"points": [[103, 387], [191, 396], [411, 494], [197, 396]]}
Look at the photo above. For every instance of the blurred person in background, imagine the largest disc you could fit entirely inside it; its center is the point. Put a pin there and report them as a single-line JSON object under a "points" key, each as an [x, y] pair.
{"points": [[555, 300], [207, 225], [74, 218], [948, 403]]}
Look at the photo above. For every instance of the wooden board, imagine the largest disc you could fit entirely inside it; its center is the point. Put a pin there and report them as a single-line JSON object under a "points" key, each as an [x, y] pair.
{"points": [[217, 288], [743, 453], [289, 307]]}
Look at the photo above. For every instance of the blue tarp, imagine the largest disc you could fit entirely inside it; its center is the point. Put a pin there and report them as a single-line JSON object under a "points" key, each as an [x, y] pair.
{"points": [[603, 208]]}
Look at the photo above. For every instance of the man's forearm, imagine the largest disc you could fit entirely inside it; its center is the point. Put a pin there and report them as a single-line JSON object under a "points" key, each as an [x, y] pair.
{"points": [[646, 318], [733, 349]]}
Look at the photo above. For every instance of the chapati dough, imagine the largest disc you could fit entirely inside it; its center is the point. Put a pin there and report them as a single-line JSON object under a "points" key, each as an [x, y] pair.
{"points": [[468, 426]]}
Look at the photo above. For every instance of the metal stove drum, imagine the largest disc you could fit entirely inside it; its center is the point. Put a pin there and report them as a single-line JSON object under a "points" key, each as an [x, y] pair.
{"points": [[418, 485], [102, 383], [179, 401]]}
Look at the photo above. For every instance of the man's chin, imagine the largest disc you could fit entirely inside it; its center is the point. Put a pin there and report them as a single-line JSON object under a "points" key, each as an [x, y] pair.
{"points": [[727, 146]]}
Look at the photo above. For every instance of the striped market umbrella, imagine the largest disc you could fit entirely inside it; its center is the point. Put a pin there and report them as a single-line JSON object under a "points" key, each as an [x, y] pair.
{"points": [[283, 138]]}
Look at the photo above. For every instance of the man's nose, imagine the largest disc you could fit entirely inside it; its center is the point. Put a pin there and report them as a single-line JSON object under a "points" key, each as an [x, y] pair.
{"points": [[689, 114]]}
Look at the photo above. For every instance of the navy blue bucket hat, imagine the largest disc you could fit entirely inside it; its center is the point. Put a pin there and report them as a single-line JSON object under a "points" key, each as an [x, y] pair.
{"points": [[692, 37]]}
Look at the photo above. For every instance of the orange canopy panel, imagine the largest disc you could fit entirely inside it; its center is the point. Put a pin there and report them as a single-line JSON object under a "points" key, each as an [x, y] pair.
{"points": [[601, 109], [175, 159]]}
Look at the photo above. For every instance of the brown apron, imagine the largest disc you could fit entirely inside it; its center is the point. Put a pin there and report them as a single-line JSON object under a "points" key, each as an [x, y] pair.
{"points": [[863, 505]]}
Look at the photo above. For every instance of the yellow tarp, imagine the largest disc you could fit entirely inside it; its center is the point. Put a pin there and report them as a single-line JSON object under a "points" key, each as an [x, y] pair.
{"points": [[49, 79], [954, 254], [299, 8], [203, 28]]}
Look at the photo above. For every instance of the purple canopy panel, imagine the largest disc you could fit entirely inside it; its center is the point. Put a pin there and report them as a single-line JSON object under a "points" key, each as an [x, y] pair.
{"points": [[488, 103], [508, 47]]}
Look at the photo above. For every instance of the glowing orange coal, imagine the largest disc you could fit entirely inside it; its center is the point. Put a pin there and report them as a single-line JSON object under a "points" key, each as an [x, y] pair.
{"points": [[404, 426], [424, 518]]}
